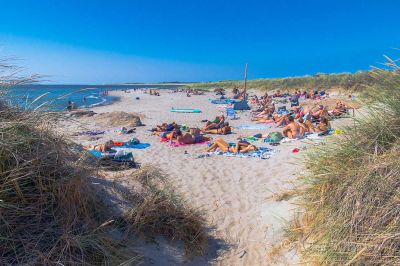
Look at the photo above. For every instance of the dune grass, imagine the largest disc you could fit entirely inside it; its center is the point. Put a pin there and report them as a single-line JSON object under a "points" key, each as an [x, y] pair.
{"points": [[345, 81], [51, 212], [351, 199]]}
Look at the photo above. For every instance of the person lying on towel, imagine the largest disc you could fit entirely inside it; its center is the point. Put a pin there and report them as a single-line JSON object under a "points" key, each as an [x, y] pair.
{"points": [[164, 127], [226, 129], [218, 122], [192, 138], [242, 146], [101, 147]]}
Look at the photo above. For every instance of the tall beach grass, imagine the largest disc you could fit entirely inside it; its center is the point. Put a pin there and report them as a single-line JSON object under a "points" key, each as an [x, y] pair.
{"points": [[351, 199]]}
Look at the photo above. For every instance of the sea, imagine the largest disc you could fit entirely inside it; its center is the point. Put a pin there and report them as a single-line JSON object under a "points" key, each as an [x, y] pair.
{"points": [[56, 97]]}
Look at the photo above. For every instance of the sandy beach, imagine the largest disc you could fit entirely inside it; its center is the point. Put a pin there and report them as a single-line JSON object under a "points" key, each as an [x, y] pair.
{"points": [[236, 195]]}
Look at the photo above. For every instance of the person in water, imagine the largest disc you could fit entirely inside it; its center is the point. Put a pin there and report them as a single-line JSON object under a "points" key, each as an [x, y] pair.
{"points": [[218, 122], [241, 146], [293, 129], [71, 106], [226, 129]]}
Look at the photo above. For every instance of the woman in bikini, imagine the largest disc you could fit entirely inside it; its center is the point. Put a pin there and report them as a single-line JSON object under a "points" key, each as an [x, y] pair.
{"points": [[241, 146], [216, 123], [226, 129]]}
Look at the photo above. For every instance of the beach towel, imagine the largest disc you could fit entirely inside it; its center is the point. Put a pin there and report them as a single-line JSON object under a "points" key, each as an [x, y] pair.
{"points": [[261, 153], [254, 127], [113, 155], [129, 145], [223, 101], [185, 110], [177, 144], [231, 113]]}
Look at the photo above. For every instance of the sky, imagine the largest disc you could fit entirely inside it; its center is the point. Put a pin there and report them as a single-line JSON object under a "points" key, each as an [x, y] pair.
{"points": [[103, 42]]}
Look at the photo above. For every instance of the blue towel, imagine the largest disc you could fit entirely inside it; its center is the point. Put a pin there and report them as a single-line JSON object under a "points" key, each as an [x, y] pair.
{"points": [[261, 153], [112, 155], [256, 127], [224, 101], [134, 146], [101, 155]]}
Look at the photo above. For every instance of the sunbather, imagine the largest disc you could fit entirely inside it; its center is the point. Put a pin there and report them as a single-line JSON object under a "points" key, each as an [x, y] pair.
{"points": [[339, 109], [293, 129], [218, 122], [241, 146], [226, 129], [305, 126], [101, 147], [324, 126], [322, 111], [189, 138]]}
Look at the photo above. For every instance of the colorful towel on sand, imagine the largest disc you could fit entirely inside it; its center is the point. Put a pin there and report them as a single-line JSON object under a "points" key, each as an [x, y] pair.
{"points": [[223, 101], [177, 144], [255, 127], [128, 145], [310, 136], [261, 153], [113, 155], [185, 110]]}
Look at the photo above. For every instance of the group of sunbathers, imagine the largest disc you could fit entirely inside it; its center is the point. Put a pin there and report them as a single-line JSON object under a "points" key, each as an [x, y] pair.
{"points": [[299, 120], [173, 131]]}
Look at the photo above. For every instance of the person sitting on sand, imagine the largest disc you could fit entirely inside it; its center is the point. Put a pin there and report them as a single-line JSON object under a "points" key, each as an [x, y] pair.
{"points": [[101, 147], [174, 134], [324, 126], [322, 111], [268, 110], [292, 130], [278, 94], [218, 122], [305, 126], [339, 109], [241, 146], [226, 129]]}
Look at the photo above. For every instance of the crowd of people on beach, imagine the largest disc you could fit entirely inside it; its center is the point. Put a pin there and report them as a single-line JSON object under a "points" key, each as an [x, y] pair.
{"points": [[295, 122]]}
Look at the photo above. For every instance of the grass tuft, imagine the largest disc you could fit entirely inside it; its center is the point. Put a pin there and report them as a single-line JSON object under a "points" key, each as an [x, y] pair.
{"points": [[351, 199]]}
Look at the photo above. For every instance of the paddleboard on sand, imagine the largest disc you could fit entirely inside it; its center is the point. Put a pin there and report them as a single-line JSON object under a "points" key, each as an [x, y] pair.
{"points": [[185, 110]]}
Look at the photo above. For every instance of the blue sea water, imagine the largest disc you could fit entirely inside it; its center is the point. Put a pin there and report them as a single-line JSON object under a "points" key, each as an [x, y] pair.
{"points": [[56, 97]]}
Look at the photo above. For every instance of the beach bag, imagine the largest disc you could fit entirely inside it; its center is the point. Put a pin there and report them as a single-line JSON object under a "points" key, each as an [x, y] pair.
{"points": [[274, 137], [134, 141]]}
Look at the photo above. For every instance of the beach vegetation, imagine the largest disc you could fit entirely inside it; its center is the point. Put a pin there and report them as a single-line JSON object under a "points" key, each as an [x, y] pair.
{"points": [[350, 204], [54, 210]]}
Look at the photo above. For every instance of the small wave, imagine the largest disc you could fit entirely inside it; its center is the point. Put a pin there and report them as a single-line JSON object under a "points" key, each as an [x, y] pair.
{"points": [[92, 97], [104, 101]]}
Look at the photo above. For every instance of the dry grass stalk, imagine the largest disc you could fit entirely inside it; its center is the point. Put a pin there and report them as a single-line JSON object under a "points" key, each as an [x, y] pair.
{"points": [[351, 198]]}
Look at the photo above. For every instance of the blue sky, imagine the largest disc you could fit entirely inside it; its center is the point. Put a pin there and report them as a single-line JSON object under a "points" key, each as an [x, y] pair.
{"points": [[147, 41]]}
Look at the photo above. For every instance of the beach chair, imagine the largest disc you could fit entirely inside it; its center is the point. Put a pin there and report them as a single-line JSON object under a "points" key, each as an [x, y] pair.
{"points": [[231, 113]]}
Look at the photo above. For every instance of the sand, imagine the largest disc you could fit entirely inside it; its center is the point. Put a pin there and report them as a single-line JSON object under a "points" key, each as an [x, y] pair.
{"points": [[236, 194]]}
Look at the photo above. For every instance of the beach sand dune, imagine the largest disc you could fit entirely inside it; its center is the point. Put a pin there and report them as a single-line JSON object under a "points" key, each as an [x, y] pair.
{"points": [[236, 194]]}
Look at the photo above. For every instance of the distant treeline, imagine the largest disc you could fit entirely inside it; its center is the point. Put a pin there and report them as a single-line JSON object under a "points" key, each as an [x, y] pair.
{"points": [[345, 81]]}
